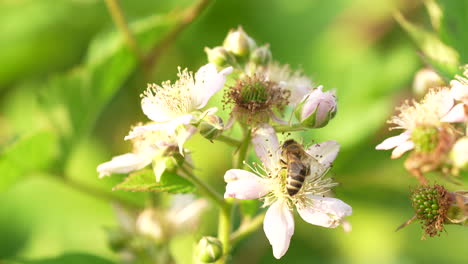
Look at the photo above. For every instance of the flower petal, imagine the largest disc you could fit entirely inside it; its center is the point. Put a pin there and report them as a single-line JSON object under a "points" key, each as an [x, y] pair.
{"points": [[457, 114], [207, 82], [401, 149], [325, 211], [183, 134], [393, 142], [459, 91], [279, 227], [123, 164], [266, 146], [242, 184], [169, 126], [324, 152], [156, 112]]}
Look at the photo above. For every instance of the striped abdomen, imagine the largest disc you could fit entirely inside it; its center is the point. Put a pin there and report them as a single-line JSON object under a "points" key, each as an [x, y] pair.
{"points": [[297, 171]]}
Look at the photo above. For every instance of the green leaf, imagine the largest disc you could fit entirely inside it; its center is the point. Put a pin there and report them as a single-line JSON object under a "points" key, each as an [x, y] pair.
{"points": [[70, 258], [27, 154], [453, 26], [145, 181], [442, 57]]}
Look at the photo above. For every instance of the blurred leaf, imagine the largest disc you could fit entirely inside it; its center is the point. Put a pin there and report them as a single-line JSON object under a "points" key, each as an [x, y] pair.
{"points": [[75, 100], [453, 26], [27, 154], [442, 57], [70, 258], [145, 181], [250, 207]]}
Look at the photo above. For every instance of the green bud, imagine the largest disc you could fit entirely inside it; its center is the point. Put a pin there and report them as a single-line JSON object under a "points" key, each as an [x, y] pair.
{"points": [[261, 55], [220, 56], [239, 43], [117, 239], [210, 249], [211, 127]]}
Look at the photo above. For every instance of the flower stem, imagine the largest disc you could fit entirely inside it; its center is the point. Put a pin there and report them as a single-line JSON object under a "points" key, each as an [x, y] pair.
{"points": [[228, 140], [244, 147], [224, 231], [247, 227], [119, 20], [284, 128], [204, 188]]}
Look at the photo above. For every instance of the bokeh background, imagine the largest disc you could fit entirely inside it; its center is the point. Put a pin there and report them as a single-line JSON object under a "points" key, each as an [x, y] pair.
{"points": [[69, 92]]}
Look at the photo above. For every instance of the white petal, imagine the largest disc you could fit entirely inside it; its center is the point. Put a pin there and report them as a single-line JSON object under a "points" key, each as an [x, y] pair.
{"points": [[325, 211], [393, 142], [207, 82], [156, 112], [183, 134], [242, 184], [324, 152], [188, 214], [459, 91], [279, 227], [457, 114], [266, 146], [123, 164], [401, 149], [169, 126]]}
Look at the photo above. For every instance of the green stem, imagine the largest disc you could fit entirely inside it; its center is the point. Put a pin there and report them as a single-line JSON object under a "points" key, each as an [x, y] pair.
{"points": [[228, 140], [206, 190], [244, 147], [224, 231], [247, 227], [119, 20], [284, 128]]}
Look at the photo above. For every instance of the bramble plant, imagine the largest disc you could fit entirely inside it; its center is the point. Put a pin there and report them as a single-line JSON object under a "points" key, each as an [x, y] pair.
{"points": [[263, 93]]}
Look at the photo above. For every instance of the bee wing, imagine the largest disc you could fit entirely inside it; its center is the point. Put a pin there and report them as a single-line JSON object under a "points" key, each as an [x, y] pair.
{"points": [[316, 168]]}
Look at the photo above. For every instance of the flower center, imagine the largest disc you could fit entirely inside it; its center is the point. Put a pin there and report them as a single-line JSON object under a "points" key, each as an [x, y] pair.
{"points": [[425, 138]]}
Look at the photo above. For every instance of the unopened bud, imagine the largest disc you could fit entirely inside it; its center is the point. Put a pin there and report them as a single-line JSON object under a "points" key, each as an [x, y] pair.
{"points": [[118, 239], [239, 43], [424, 80], [220, 56], [210, 249], [459, 153], [317, 109], [149, 224], [211, 127], [261, 55]]}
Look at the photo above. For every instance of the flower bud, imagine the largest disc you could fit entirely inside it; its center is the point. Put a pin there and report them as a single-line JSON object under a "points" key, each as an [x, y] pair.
{"points": [[220, 56], [424, 80], [459, 153], [118, 239], [211, 127], [149, 224], [261, 55], [317, 109], [210, 249], [239, 43]]}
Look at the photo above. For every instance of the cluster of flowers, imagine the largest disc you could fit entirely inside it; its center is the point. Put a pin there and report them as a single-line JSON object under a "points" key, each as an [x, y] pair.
{"points": [[264, 93], [436, 133]]}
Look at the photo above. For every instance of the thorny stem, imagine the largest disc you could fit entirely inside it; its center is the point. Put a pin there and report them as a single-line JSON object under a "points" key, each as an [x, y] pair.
{"points": [[86, 189], [119, 20], [246, 228], [189, 15]]}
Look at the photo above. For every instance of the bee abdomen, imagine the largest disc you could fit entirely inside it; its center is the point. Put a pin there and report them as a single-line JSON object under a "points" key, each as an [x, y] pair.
{"points": [[295, 179]]}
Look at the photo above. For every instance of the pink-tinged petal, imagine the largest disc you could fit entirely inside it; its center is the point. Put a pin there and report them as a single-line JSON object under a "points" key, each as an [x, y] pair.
{"points": [[207, 82], [457, 114], [459, 91], [169, 126], [242, 184], [393, 142], [279, 227], [319, 103], [266, 146], [446, 102], [123, 164], [156, 112], [325, 211], [401, 149], [324, 152]]}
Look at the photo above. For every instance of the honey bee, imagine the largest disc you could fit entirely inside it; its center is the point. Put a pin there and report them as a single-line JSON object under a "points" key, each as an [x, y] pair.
{"points": [[297, 162]]}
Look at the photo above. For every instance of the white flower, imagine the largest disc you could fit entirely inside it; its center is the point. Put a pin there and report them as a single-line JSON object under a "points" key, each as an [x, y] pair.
{"points": [[459, 92], [424, 117], [269, 183], [173, 105], [154, 147]]}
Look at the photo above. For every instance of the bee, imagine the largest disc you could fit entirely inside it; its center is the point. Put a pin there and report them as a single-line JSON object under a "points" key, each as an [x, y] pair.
{"points": [[297, 162]]}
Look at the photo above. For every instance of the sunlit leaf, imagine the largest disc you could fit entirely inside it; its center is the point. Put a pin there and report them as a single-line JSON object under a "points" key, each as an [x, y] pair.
{"points": [[27, 154], [145, 181]]}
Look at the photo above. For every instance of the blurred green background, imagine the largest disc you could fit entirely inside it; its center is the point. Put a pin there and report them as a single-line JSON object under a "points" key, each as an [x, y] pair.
{"points": [[69, 92]]}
